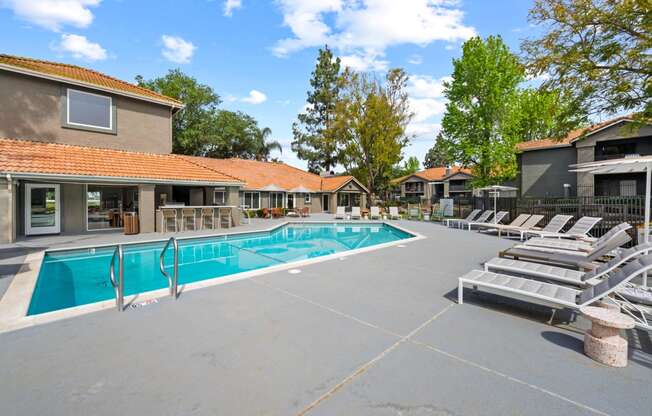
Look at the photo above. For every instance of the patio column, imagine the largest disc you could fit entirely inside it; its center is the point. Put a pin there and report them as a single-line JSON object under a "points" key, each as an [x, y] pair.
{"points": [[7, 212], [146, 208], [446, 189]]}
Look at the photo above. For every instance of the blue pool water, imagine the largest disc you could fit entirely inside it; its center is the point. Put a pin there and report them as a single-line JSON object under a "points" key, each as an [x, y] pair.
{"points": [[78, 277]]}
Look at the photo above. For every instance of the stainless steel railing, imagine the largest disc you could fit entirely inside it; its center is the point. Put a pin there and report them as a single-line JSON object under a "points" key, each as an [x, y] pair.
{"points": [[118, 285], [173, 281]]}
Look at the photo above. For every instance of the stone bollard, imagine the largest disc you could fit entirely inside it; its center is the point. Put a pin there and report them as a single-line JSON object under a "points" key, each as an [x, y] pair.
{"points": [[603, 341]]}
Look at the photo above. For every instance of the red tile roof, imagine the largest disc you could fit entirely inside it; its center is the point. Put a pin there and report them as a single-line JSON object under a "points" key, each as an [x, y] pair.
{"points": [[24, 156], [435, 174], [258, 174], [86, 76], [571, 137]]}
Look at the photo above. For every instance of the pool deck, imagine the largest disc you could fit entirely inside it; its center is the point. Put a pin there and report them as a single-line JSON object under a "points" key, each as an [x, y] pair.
{"points": [[378, 333]]}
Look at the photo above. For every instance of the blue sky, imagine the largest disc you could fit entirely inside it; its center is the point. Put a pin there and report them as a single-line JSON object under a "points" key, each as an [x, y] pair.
{"points": [[258, 55]]}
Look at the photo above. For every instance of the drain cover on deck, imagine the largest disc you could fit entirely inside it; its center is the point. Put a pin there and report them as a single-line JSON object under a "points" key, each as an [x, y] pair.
{"points": [[144, 303]]}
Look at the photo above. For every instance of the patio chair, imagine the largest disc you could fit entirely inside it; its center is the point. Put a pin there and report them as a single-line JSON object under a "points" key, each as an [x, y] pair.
{"points": [[562, 274], [579, 230], [472, 215], [557, 296], [305, 212], [340, 213], [518, 221], [483, 217], [266, 213], [355, 213], [277, 212], [207, 216], [578, 259], [414, 213], [188, 216], [168, 215], [374, 213], [393, 213], [500, 215], [574, 245], [293, 213]]}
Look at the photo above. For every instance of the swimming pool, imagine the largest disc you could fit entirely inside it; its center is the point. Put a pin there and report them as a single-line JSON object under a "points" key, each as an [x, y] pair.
{"points": [[77, 277]]}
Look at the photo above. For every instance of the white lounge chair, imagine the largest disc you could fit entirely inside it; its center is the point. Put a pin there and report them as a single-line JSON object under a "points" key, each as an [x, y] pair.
{"points": [[579, 230], [393, 213], [564, 245], [374, 213], [518, 221], [340, 213], [527, 226], [482, 218], [579, 259], [470, 217], [501, 215], [554, 295], [355, 213], [562, 274], [554, 225]]}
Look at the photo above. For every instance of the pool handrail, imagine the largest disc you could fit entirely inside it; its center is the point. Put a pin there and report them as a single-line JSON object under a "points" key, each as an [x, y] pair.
{"points": [[173, 281], [118, 286]]}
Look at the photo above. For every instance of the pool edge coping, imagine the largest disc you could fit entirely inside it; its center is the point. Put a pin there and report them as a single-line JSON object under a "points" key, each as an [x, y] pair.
{"points": [[18, 296]]}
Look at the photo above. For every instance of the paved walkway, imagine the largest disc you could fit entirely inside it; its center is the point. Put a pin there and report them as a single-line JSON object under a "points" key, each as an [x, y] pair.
{"points": [[373, 334]]}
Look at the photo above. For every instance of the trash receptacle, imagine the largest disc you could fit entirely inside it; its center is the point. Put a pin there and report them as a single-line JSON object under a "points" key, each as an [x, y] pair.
{"points": [[131, 223]]}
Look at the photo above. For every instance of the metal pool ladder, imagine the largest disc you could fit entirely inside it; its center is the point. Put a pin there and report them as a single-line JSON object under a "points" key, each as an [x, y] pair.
{"points": [[118, 286], [173, 281]]}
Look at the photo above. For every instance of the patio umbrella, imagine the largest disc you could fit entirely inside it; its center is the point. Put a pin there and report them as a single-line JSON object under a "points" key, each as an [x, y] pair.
{"points": [[637, 164], [496, 189]]}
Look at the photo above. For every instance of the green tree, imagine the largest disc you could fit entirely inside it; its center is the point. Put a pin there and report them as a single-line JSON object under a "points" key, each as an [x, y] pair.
{"points": [[598, 49], [369, 126], [311, 138], [202, 129], [266, 146], [542, 113], [481, 97], [191, 126], [439, 154], [410, 166]]}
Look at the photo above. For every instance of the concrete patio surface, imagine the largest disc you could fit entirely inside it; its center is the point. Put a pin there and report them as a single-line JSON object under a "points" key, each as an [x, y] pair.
{"points": [[376, 333]]}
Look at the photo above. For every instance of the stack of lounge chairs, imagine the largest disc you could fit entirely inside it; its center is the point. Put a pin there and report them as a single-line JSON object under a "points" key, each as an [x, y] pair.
{"points": [[566, 272]]}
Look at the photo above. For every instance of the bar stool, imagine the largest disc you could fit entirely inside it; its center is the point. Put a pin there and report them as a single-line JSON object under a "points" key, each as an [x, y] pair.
{"points": [[207, 214], [225, 217], [166, 216], [187, 213]]}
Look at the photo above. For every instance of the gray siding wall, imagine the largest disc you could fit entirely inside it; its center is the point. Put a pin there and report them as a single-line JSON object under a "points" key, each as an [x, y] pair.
{"points": [[31, 109], [544, 172]]}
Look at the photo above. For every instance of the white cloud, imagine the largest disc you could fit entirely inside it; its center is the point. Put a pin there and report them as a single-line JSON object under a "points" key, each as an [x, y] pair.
{"points": [[255, 97], [415, 59], [81, 48], [362, 30], [365, 62], [427, 102], [53, 14], [230, 6], [229, 98], [177, 49]]}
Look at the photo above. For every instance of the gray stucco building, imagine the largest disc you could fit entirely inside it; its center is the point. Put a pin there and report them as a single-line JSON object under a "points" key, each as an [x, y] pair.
{"points": [[544, 164]]}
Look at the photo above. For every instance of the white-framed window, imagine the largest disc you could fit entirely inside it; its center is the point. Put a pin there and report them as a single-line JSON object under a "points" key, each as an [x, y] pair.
{"points": [[219, 196], [250, 200], [276, 200], [307, 199], [86, 109]]}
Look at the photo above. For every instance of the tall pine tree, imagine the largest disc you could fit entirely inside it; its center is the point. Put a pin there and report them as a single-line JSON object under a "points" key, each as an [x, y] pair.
{"points": [[312, 141]]}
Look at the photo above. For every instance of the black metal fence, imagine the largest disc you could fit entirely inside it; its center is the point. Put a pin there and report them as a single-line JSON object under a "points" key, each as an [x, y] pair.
{"points": [[612, 209]]}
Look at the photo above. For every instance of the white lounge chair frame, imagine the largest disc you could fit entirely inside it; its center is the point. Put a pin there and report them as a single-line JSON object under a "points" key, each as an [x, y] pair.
{"points": [[340, 213], [374, 213], [393, 213], [355, 213], [579, 230], [500, 215], [472, 215]]}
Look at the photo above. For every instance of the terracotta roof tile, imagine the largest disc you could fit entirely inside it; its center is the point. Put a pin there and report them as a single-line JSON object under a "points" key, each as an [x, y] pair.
{"points": [[259, 175], [435, 174], [88, 76], [24, 156], [571, 137]]}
